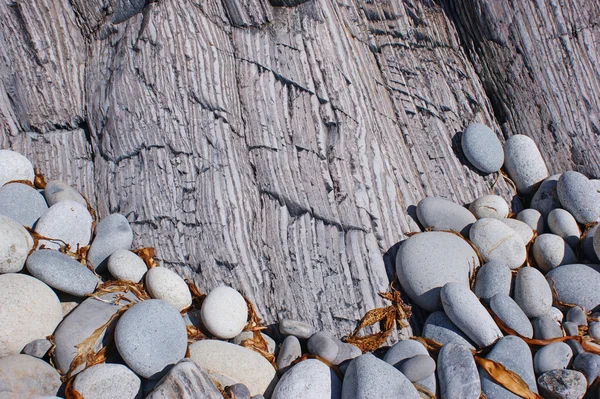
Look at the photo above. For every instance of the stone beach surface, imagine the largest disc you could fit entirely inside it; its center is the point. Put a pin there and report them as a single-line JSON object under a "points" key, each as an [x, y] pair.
{"points": [[490, 278]]}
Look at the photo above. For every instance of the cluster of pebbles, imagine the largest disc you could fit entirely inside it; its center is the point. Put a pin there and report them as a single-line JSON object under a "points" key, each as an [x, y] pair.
{"points": [[511, 285]]}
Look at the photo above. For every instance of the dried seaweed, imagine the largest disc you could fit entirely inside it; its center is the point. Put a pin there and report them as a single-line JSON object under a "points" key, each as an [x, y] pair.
{"points": [[147, 254], [506, 378]]}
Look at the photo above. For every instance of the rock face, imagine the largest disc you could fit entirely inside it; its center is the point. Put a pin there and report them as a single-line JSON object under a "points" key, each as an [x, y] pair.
{"points": [[186, 380], [23, 376]]}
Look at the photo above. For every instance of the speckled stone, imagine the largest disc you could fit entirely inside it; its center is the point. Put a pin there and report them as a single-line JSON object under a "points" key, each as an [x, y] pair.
{"points": [[577, 316], [440, 328], [577, 284], [511, 314], [546, 197], [551, 251], [56, 191], [22, 203], [545, 327], [167, 285], [482, 148], [578, 196], [532, 292], [108, 381], [296, 328], [492, 278], [498, 242], [68, 221], [290, 350], [554, 356], [330, 348], [224, 312], [403, 351], [594, 330], [37, 348], [418, 368], [15, 244], [489, 206], [589, 365], [125, 265], [14, 166], [457, 373], [441, 214], [23, 376], [533, 218], [521, 228], [563, 224], [562, 384], [112, 233], [524, 163], [310, 379]]}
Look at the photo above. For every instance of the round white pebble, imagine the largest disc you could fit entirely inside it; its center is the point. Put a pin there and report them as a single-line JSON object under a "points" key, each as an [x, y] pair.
{"points": [[165, 284], [15, 243], [489, 206], [224, 312], [524, 163], [14, 166], [125, 265]]}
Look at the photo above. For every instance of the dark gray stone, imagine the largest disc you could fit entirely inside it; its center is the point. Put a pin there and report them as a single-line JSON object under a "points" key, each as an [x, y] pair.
{"points": [[186, 380], [440, 328], [562, 384], [112, 233], [578, 196], [554, 356], [482, 148], [545, 327], [511, 314], [22, 203], [577, 284], [492, 278], [24, 376], [457, 373], [442, 214], [38, 348]]}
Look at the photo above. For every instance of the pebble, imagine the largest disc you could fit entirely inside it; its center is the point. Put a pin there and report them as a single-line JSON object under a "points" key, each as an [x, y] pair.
{"points": [[577, 284], [165, 284], [14, 166], [572, 330], [545, 327], [56, 191], [498, 242], [150, 336], [589, 249], [418, 368], [186, 380], [24, 376], [125, 265], [532, 292], [514, 354], [37, 348], [224, 312], [290, 350], [521, 228], [578, 196], [22, 203], [524, 163], [511, 314], [551, 251], [236, 363], [546, 197], [595, 240], [112, 233], [563, 224], [441, 214], [562, 384], [238, 391], [68, 221], [30, 310], [440, 328], [402, 352], [15, 244], [62, 272], [467, 313], [457, 373], [330, 348], [577, 316], [533, 218], [489, 206], [427, 261], [589, 365], [108, 381], [554, 356], [309, 379], [594, 330], [244, 335], [369, 377], [482, 148], [296, 328], [556, 314], [492, 278]]}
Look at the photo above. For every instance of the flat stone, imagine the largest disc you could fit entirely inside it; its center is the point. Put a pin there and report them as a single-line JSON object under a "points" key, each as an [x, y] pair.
{"points": [[524, 163], [108, 381], [532, 292], [554, 356], [492, 278], [498, 242], [37, 348], [545, 327], [125, 265], [112, 233], [67, 221], [440, 328], [482, 148], [296, 328], [418, 368], [589, 250], [521, 228], [15, 244], [244, 335], [309, 379], [369, 377], [578, 196], [577, 284], [224, 312], [563, 224], [514, 354], [30, 310], [405, 350], [489, 206], [62, 272], [14, 166], [22, 203], [23, 376], [511, 314], [467, 313], [56, 191], [427, 261], [150, 337], [551, 251], [577, 316], [457, 373], [546, 197], [165, 284], [562, 384], [236, 363], [533, 218], [290, 350], [589, 365], [186, 380], [441, 214]]}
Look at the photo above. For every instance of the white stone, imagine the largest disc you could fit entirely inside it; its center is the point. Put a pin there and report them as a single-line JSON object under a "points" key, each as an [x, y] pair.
{"points": [[532, 292], [524, 163], [224, 312], [498, 242], [107, 381], [563, 224], [165, 284], [15, 244], [68, 221], [14, 166], [578, 196], [125, 265], [489, 206], [550, 251], [482, 148], [309, 379], [521, 228], [56, 191], [533, 218], [442, 214]]}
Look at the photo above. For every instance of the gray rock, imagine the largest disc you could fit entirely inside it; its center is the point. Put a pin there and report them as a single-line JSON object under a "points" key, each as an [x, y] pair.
{"points": [[125, 265], [440, 328], [532, 292], [15, 243], [524, 163], [238, 391], [554, 356], [222, 301], [290, 350], [576, 284], [296, 328], [556, 314], [571, 329], [369, 377], [258, 397], [588, 245], [346, 352], [165, 284], [514, 354], [482, 148], [186, 380], [14, 166], [442, 214], [37, 348], [407, 349], [23, 376], [546, 197], [67, 221], [562, 384], [309, 379], [578, 196], [594, 330], [418, 368], [521, 228], [457, 373], [577, 316], [533, 218], [511, 314], [22, 203], [62, 272], [589, 365], [330, 348], [595, 240], [545, 327], [108, 381], [244, 335], [492, 278], [150, 337], [498, 242], [427, 261], [56, 191], [551, 251], [112, 233], [563, 224], [489, 206]]}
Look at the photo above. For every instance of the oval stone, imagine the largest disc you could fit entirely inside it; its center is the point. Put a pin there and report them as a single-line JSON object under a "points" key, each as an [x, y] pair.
{"points": [[546, 197], [524, 163], [15, 244], [554, 356], [14, 166], [224, 312], [108, 381], [22, 203], [587, 243], [440, 328], [521, 228], [588, 364], [564, 225], [532, 292], [427, 261], [23, 376], [56, 191], [150, 336], [418, 368], [492, 278], [405, 350], [457, 373], [489, 206], [578, 196], [68, 221], [125, 265], [545, 327], [498, 242], [112, 233], [309, 379], [482, 148], [290, 350], [296, 328], [576, 284], [551, 251], [442, 214], [563, 384], [533, 218], [511, 314], [165, 284]]}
